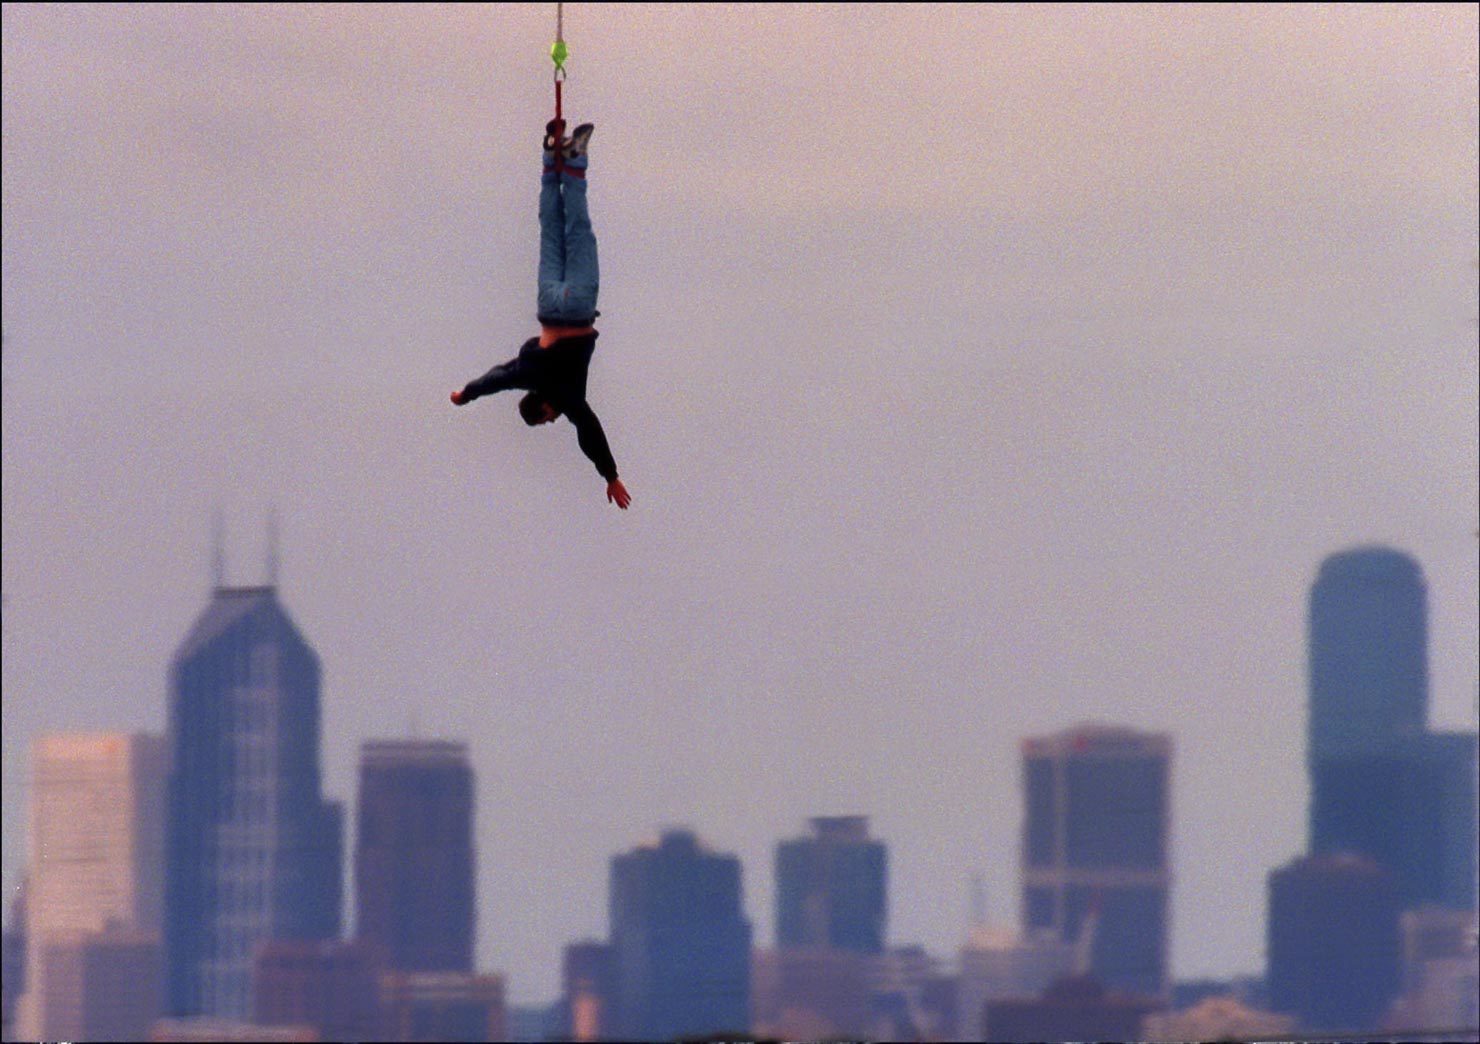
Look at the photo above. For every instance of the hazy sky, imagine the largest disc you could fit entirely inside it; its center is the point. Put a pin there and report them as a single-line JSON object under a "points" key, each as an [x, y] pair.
{"points": [[976, 372]]}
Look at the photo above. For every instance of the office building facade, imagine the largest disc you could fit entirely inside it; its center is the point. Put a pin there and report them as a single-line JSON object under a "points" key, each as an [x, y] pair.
{"points": [[96, 844], [1095, 850], [832, 888], [331, 985], [414, 856], [253, 851], [680, 941], [1368, 653], [1382, 784]]}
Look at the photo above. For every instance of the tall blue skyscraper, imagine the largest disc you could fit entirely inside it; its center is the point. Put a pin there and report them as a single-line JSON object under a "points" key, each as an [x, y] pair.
{"points": [[1381, 784], [680, 942], [252, 852], [1368, 650]]}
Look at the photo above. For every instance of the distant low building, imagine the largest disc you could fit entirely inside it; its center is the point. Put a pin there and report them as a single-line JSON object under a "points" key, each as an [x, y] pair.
{"points": [[206, 1030], [912, 996], [1334, 959], [1077, 1008], [107, 985], [331, 985], [999, 964], [1216, 1018], [588, 998], [444, 1006], [1441, 973], [810, 993]]}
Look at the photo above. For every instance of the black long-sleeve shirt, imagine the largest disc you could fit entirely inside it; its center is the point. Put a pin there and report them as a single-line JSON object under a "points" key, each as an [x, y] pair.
{"points": [[558, 373]]}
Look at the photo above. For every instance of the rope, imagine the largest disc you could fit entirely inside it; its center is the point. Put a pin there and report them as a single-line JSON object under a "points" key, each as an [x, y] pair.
{"points": [[558, 51], [558, 54]]}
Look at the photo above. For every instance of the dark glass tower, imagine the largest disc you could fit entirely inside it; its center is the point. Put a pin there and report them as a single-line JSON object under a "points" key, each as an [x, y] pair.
{"points": [[253, 851], [1368, 648], [1381, 784], [1095, 852], [414, 863], [680, 941], [832, 887]]}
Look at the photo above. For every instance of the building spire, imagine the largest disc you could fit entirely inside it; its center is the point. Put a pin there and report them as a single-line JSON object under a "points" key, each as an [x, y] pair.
{"points": [[218, 549], [272, 546]]}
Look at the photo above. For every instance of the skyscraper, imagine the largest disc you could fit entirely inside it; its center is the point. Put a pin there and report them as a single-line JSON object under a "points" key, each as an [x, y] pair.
{"points": [[253, 850], [1368, 653], [1381, 784], [96, 825], [680, 941], [832, 887], [1095, 862], [414, 862]]}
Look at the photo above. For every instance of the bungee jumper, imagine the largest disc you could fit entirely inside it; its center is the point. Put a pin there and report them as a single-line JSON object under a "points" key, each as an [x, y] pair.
{"points": [[552, 368]]}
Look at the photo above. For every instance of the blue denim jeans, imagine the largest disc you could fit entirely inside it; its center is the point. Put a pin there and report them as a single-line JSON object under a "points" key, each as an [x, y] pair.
{"points": [[569, 277]]}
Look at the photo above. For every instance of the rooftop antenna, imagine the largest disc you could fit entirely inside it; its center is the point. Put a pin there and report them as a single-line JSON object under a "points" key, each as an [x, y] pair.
{"points": [[218, 549], [272, 546], [978, 901]]}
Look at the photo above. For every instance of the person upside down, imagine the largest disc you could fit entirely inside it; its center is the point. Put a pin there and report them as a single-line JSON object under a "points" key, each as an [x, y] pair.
{"points": [[551, 368]]}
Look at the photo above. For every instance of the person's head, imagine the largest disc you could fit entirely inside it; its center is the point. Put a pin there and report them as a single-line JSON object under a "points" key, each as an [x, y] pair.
{"points": [[536, 409]]}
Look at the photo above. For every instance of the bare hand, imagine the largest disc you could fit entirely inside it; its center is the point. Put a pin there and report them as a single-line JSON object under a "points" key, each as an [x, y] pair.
{"points": [[617, 494]]}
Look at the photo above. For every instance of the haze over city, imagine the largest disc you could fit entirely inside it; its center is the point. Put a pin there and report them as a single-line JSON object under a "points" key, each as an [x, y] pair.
{"points": [[976, 371]]}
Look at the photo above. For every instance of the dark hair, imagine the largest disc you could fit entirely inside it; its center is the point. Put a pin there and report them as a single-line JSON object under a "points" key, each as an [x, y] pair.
{"points": [[532, 408]]}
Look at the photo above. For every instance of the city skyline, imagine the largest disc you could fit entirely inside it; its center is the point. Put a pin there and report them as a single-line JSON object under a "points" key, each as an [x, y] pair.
{"points": [[221, 633], [927, 455]]}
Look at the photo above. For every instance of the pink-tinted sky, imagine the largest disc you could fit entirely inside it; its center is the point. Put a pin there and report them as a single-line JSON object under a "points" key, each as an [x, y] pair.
{"points": [[976, 371]]}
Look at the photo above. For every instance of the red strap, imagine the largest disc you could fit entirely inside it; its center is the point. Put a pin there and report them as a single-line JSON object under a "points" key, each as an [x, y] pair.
{"points": [[559, 151]]}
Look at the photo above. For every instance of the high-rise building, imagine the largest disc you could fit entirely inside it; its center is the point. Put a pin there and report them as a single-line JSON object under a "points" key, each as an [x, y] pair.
{"points": [[1095, 850], [832, 887], [1410, 806], [253, 851], [1333, 942], [680, 941], [1381, 784], [414, 856], [1368, 653], [96, 824]]}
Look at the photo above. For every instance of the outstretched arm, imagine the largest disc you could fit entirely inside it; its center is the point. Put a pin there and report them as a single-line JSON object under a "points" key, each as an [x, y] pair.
{"points": [[592, 440], [501, 378]]}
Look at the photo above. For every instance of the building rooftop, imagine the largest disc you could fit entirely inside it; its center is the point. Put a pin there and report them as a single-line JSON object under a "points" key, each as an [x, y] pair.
{"points": [[229, 605]]}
